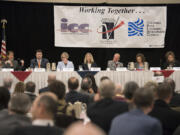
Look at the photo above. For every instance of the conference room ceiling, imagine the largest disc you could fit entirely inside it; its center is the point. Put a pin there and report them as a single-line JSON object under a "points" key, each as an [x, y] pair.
{"points": [[106, 1]]}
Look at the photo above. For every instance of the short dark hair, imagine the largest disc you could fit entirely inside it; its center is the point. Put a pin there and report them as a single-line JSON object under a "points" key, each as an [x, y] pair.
{"points": [[164, 90], [49, 103], [38, 50], [58, 88], [104, 78], [129, 89], [143, 97], [30, 86], [4, 98], [171, 82], [73, 83], [86, 83]]}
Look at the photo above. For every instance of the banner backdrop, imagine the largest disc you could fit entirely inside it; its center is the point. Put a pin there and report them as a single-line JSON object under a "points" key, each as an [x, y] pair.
{"points": [[110, 27]]}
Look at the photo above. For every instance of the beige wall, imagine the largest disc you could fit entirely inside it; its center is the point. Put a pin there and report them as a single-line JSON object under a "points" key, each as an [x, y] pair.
{"points": [[108, 1]]}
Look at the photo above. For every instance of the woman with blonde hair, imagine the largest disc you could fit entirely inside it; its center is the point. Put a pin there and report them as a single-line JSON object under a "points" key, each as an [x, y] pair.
{"points": [[19, 88], [88, 62]]}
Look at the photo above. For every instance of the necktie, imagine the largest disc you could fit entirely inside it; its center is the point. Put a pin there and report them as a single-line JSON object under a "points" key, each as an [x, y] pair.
{"points": [[39, 64]]}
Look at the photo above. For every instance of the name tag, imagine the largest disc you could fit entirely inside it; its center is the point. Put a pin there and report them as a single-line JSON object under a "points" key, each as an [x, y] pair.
{"points": [[158, 79], [39, 69], [176, 68], [95, 69], [68, 69], [155, 68], [121, 69], [7, 69]]}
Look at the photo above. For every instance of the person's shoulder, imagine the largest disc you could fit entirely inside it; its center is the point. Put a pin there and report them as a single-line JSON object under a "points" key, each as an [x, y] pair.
{"points": [[45, 59]]}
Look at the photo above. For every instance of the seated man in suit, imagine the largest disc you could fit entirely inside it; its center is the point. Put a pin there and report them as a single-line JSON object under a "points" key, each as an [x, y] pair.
{"points": [[73, 95], [65, 63], [15, 116], [43, 110], [11, 63], [103, 111], [51, 78], [113, 64], [169, 118], [39, 61], [137, 122]]}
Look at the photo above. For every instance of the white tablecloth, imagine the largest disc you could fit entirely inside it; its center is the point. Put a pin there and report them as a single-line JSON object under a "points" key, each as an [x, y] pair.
{"points": [[40, 78]]}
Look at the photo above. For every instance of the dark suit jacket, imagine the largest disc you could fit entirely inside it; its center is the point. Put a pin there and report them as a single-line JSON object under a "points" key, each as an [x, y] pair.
{"points": [[72, 96], [175, 101], [15, 66], [103, 111], [85, 66], [9, 122], [37, 130], [135, 122], [175, 64], [169, 118], [34, 63], [45, 89]]}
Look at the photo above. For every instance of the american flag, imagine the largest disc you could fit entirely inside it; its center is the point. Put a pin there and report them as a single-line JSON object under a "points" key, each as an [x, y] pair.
{"points": [[3, 46]]}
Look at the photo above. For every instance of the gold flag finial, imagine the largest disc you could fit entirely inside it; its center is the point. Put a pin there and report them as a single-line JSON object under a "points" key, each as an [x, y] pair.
{"points": [[3, 21]]}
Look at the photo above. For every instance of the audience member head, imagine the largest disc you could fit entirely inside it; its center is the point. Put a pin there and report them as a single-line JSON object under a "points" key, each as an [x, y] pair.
{"points": [[129, 90], [30, 86], [73, 83], [144, 99], [152, 85], [58, 88], [86, 84], [171, 82], [7, 83], [164, 92], [83, 129], [44, 107], [104, 78], [118, 89], [170, 56], [51, 78], [116, 57], [106, 89], [10, 55], [140, 58], [4, 98], [19, 87], [94, 85], [65, 57], [88, 58], [19, 103], [39, 54]]}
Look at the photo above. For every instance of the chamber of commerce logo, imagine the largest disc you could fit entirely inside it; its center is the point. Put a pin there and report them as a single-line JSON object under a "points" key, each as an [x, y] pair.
{"points": [[136, 28], [108, 27]]}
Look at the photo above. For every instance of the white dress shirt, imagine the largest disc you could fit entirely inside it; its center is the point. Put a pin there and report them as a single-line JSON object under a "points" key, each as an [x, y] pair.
{"points": [[40, 122]]}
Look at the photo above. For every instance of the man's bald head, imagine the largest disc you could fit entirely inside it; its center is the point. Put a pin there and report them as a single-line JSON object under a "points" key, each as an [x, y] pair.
{"points": [[116, 57], [80, 129]]}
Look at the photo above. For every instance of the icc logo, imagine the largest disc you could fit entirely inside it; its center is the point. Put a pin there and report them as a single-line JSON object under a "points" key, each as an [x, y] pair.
{"points": [[74, 27]]}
